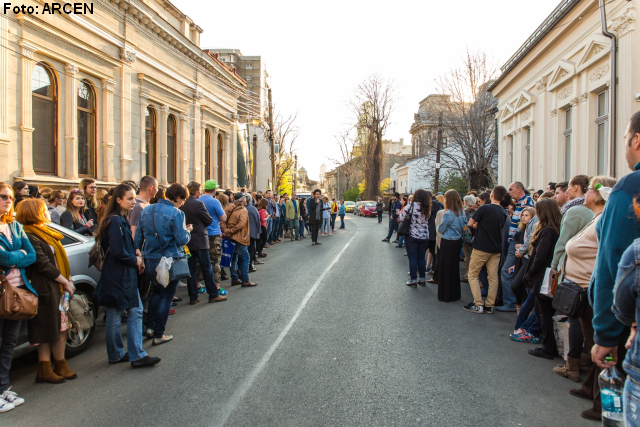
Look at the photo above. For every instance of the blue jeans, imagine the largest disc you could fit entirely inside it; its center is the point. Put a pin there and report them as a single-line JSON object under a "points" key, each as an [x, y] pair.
{"points": [[240, 254], [326, 223], [9, 330], [269, 227], [525, 310], [507, 278], [207, 272], [294, 225], [161, 300], [333, 221], [113, 334], [631, 403], [416, 252], [302, 225], [532, 325], [341, 220], [393, 226], [400, 240]]}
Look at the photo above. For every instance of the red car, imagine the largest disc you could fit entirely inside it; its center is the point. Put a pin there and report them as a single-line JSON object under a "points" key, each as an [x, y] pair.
{"points": [[368, 209]]}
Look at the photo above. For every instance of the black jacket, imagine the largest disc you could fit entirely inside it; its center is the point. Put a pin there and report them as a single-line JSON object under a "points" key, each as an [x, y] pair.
{"points": [[196, 214], [66, 220], [436, 206], [313, 219], [90, 212], [540, 259], [118, 284]]}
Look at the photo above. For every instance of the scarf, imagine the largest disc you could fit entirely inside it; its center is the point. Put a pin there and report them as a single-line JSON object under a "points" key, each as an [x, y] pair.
{"points": [[571, 203], [53, 238]]}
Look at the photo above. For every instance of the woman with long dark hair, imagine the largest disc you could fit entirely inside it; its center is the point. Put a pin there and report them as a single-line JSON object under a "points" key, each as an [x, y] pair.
{"points": [[21, 191], [543, 243], [453, 221], [117, 289], [74, 218], [417, 241]]}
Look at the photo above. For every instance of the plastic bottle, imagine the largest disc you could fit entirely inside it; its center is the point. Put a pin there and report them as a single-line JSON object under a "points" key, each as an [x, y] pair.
{"points": [[64, 302], [611, 388]]}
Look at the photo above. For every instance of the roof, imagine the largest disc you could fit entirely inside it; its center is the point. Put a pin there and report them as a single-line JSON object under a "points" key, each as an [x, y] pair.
{"points": [[545, 28], [226, 67], [302, 169]]}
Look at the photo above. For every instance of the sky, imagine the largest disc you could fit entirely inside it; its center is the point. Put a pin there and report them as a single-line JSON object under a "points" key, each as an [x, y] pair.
{"points": [[317, 53]]}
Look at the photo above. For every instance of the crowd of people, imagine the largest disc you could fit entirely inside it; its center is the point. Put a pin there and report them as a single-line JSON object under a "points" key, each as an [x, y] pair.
{"points": [[136, 227], [514, 241]]}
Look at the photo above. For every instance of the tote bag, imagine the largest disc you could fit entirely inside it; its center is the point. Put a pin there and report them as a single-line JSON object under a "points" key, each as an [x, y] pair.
{"points": [[227, 252]]}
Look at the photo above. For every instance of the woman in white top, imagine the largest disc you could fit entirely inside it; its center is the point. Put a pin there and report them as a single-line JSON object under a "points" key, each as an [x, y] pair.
{"points": [[417, 241]]}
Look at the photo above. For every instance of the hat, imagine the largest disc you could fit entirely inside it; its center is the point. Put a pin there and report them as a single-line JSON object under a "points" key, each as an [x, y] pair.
{"points": [[238, 196], [210, 184]]}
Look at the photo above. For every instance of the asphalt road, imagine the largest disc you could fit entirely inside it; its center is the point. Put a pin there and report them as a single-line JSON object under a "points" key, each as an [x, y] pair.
{"points": [[330, 337]]}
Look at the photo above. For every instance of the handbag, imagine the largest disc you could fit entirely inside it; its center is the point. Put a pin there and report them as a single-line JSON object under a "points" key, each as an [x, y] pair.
{"points": [[97, 256], [549, 283], [179, 267], [228, 248], [16, 303], [569, 299], [287, 234], [80, 313], [405, 226]]}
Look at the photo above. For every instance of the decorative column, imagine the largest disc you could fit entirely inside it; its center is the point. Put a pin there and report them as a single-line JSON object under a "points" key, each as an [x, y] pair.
{"points": [[576, 126], [162, 144], [556, 161], [203, 129], [4, 78], [144, 103], [198, 137], [71, 122], [184, 148], [228, 162], [26, 124], [108, 144], [214, 154], [234, 155], [128, 56], [539, 164]]}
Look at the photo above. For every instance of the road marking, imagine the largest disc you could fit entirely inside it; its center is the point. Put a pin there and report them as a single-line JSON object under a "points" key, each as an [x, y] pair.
{"points": [[238, 396]]}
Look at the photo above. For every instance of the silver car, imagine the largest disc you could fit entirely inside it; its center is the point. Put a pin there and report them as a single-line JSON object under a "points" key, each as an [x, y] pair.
{"points": [[85, 279]]}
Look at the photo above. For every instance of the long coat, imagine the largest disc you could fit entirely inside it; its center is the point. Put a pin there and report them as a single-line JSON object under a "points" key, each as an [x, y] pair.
{"points": [[312, 211], [196, 214], [118, 285], [45, 327]]}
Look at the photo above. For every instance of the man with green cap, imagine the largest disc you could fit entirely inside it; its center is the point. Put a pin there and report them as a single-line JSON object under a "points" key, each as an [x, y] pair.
{"points": [[215, 234]]}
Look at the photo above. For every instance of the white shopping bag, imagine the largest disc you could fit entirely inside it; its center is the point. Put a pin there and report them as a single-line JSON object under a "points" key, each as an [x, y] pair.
{"points": [[561, 331], [546, 288], [163, 270]]}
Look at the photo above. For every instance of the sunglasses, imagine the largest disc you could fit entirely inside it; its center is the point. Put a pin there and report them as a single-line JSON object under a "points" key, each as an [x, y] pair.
{"points": [[6, 197]]}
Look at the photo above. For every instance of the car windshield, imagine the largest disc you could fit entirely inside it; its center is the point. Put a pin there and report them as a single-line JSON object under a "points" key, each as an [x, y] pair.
{"points": [[370, 204], [349, 203]]}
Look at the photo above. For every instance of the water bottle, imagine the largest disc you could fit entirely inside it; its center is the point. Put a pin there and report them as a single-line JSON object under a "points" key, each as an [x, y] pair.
{"points": [[64, 302], [611, 388]]}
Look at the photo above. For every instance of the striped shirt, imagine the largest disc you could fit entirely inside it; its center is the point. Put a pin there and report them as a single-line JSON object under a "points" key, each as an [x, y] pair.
{"points": [[525, 201]]}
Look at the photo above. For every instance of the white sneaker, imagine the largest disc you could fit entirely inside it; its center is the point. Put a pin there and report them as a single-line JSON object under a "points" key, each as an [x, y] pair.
{"points": [[12, 398], [6, 406]]}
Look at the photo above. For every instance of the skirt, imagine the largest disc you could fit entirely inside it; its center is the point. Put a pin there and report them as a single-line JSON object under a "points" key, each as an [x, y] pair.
{"points": [[449, 270]]}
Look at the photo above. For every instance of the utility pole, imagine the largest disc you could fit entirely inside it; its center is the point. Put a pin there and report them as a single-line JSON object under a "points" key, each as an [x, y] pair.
{"points": [[295, 173], [272, 144], [255, 161], [438, 148]]}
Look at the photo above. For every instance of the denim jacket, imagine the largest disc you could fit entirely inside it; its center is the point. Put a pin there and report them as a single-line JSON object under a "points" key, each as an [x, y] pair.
{"points": [[10, 255], [451, 225], [171, 231], [626, 304]]}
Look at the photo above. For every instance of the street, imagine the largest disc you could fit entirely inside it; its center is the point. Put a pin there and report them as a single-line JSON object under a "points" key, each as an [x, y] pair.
{"points": [[331, 336]]}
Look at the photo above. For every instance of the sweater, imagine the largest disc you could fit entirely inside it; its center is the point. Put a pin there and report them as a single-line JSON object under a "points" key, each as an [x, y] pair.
{"points": [[574, 220], [581, 254]]}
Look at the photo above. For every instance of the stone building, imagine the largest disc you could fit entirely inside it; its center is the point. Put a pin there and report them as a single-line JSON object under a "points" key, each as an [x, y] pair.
{"points": [[116, 94], [424, 129], [554, 96]]}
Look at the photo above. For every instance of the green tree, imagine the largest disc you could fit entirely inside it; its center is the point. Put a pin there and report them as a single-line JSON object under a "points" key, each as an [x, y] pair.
{"points": [[352, 194], [453, 181]]}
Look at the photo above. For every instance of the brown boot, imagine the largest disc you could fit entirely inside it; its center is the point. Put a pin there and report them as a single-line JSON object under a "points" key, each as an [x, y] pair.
{"points": [[571, 370], [46, 375], [585, 363], [63, 370]]}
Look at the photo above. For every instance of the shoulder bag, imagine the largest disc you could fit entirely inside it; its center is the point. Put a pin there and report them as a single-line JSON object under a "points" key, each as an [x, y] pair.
{"points": [[80, 313], [405, 226], [178, 267], [16, 303], [570, 299]]}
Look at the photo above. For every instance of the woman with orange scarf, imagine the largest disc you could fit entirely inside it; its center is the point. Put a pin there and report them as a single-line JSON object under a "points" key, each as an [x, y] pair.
{"points": [[50, 277]]}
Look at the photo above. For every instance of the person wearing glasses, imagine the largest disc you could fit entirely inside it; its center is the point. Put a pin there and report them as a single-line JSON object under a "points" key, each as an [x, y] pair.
{"points": [[74, 217]]}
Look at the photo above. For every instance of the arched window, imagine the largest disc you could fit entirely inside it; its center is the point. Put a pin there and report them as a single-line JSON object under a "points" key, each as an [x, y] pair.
{"points": [[150, 140], [207, 154], [44, 117], [220, 158], [86, 130], [171, 149]]}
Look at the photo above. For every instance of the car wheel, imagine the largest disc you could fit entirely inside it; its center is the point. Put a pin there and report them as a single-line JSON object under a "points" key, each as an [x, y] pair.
{"points": [[78, 341]]}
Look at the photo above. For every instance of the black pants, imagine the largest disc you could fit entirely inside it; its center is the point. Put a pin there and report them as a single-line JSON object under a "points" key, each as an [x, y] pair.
{"points": [[517, 286], [263, 239], [416, 252], [252, 249], [576, 340], [545, 312], [393, 226], [314, 231], [9, 330], [380, 216]]}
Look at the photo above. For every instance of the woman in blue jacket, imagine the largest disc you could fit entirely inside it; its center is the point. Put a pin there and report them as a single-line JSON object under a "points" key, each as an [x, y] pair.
{"points": [[451, 226], [163, 233], [117, 289], [16, 253]]}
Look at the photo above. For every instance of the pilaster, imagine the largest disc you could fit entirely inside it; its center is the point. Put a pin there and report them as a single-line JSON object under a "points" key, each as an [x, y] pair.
{"points": [[183, 173], [108, 144], [71, 122], [26, 125], [214, 154], [126, 156], [162, 138], [228, 159], [144, 103], [4, 78]]}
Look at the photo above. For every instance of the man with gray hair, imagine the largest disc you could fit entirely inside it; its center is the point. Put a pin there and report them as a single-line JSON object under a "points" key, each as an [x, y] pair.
{"points": [[254, 231]]}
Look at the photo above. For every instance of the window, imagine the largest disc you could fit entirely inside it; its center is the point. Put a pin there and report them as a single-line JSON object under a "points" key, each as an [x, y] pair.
{"points": [[220, 158], [207, 154], [150, 140], [86, 130], [528, 159], [567, 144], [44, 117], [171, 149], [602, 122], [511, 158]]}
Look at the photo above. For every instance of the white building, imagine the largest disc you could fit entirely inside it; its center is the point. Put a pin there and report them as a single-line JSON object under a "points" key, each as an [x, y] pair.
{"points": [[410, 178]]}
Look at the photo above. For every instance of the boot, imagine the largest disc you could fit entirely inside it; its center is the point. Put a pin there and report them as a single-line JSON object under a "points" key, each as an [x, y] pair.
{"points": [[63, 370], [585, 363], [46, 375], [571, 370]]}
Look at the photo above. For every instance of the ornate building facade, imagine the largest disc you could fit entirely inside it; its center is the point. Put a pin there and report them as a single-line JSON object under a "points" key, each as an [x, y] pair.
{"points": [[119, 93], [554, 96]]}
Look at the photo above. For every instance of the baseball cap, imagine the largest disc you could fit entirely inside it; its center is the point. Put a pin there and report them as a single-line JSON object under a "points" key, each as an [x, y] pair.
{"points": [[210, 184], [238, 196]]}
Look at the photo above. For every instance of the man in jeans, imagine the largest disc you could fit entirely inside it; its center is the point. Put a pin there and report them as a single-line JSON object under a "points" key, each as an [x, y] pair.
{"points": [[236, 229], [516, 191], [293, 215], [213, 230], [271, 209], [488, 221], [394, 207], [196, 214]]}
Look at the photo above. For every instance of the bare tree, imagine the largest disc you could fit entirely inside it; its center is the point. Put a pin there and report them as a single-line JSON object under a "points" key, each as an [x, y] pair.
{"points": [[372, 104], [468, 125], [347, 158], [285, 133]]}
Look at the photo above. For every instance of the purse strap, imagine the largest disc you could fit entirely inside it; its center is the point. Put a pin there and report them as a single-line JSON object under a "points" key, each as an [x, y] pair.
{"points": [[153, 225]]}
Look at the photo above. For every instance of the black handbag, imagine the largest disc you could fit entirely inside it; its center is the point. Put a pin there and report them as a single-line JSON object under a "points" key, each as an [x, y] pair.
{"points": [[569, 299], [405, 226]]}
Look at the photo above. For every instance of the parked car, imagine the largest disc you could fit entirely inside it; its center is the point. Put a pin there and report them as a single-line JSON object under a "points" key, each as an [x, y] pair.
{"points": [[356, 208], [348, 206], [85, 279], [367, 209]]}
